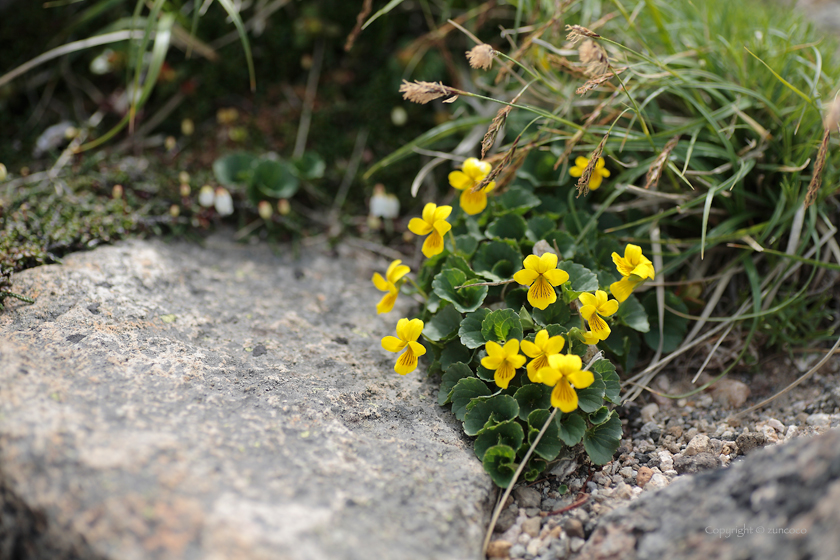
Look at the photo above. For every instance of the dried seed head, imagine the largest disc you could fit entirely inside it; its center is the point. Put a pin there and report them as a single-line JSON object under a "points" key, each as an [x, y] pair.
{"points": [[816, 178], [498, 169], [498, 122], [578, 32], [423, 92], [583, 182], [655, 170], [481, 56], [594, 57], [595, 82]]}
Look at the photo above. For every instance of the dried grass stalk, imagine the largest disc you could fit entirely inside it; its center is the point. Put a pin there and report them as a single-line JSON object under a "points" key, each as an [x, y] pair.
{"points": [[655, 170], [832, 119], [565, 65], [481, 56], [595, 82], [360, 20], [578, 33], [423, 92], [583, 182], [497, 123], [498, 169], [594, 57], [572, 142]]}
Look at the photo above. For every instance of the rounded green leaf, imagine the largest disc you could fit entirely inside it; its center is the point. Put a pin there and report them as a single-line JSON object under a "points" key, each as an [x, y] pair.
{"points": [[592, 398], [501, 325], [275, 179], [550, 444], [444, 324], [485, 374], [632, 314], [465, 299], [532, 397], [453, 353], [483, 413], [565, 243], [451, 377], [470, 331], [309, 166], [509, 226], [581, 279], [539, 227], [509, 433], [235, 168], [499, 463], [490, 255], [599, 416], [465, 390], [465, 245], [675, 326], [571, 428], [602, 441], [557, 313], [534, 468], [519, 200], [612, 383]]}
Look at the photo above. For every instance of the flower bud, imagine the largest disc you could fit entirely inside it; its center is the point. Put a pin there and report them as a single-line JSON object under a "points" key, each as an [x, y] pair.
{"points": [[206, 196], [174, 210], [265, 210], [117, 192], [184, 177], [170, 143], [2, 172], [187, 127], [223, 202], [283, 207], [185, 190]]}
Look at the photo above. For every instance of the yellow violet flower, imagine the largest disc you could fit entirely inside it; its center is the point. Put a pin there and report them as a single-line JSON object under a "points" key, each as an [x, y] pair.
{"points": [[634, 269], [542, 347], [541, 274], [407, 334], [595, 307], [504, 359], [598, 173], [564, 372], [433, 222], [396, 270], [589, 338], [472, 173]]}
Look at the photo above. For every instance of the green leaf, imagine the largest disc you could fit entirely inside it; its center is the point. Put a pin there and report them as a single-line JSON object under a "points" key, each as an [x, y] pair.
{"points": [[501, 325], [465, 300], [309, 166], [581, 279], [444, 324], [233, 13], [532, 397], [470, 331], [602, 441], [465, 245], [571, 428], [454, 352], [499, 463], [509, 226], [455, 373], [485, 374], [525, 319], [553, 205], [519, 200], [275, 179], [483, 413], [557, 313], [550, 444], [381, 12], [495, 258], [235, 168], [539, 227], [565, 243], [509, 433], [612, 384], [516, 297], [632, 314], [599, 416], [458, 262], [534, 468], [675, 326], [592, 398], [465, 390]]}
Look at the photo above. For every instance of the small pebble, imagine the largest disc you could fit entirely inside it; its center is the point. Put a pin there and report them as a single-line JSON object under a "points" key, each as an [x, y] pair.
{"points": [[819, 420], [730, 393], [648, 412], [698, 444], [527, 497], [573, 527], [657, 481], [531, 526], [696, 463], [666, 460], [499, 549], [506, 519], [746, 442], [626, 472], [651, 430], [642, 477], [517, 551], [575, 544]]}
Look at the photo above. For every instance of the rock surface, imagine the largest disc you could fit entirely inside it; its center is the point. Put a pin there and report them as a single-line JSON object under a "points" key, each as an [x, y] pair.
{"points": [[778, 503], [173, 401]]}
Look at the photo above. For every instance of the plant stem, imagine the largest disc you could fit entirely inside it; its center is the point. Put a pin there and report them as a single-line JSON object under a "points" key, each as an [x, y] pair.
{"points": [[418, 288]]}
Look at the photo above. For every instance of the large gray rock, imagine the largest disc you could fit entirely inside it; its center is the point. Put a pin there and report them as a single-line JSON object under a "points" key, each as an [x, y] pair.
{"points": [[173, 401], [778, 503]]}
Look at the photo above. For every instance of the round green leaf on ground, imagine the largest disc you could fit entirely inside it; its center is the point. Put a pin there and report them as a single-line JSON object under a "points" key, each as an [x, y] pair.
{"points": [[501, 325], [602, 441], [499, 463], [465, 300], [508, 433], [465, 390], [483, 413], [450, 378], [470, 331]]}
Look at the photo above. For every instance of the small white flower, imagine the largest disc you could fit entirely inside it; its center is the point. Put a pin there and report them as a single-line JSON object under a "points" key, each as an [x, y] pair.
{"points": [[206, 196], [223, 202], [383, 204]]}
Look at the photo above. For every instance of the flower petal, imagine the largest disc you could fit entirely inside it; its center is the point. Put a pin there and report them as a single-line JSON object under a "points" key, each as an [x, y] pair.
{"points": [[530, 349], [534, 366], [406, 363], [442, 212], [589, 338], [605, 172], [594, 181], [600, 299], [429, 212], [600, 163], [492, 362], [576, 171], [599, 327], [380, 283], [393, 344], [414, 330], [608, 308], [540, 338], [473, 202], [397, 274], [511, 347], [387, 302], [442, 226], [525, 276], [494, 349], [624, 268], [588, 299], [532, 262], [433, 245], [581, 162], [581, 379], [556, 277], [587, 311], [564, 397], [644, 270], [622, 289], [417, 348], [632, 254], [541, 294], [476, 169], [504, 374], [517, 361], [417, 226], [548, 261], [402, 325], [459, 180], [549, 376], [554, 345]]}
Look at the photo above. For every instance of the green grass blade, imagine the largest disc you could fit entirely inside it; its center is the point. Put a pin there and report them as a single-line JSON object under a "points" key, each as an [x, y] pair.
{"points": [[790, 86], [388, 7], [138, 62], [243, 36]]}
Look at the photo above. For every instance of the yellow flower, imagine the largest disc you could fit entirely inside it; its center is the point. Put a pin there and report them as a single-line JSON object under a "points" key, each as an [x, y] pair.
{"points": [[390, 285], [407, 334], [472, 173], [433, 222], [504, 359], [634, 269], [598, 173], [564, 371], [541, 274], [540, 350], [588, 337], [596, 305]]}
